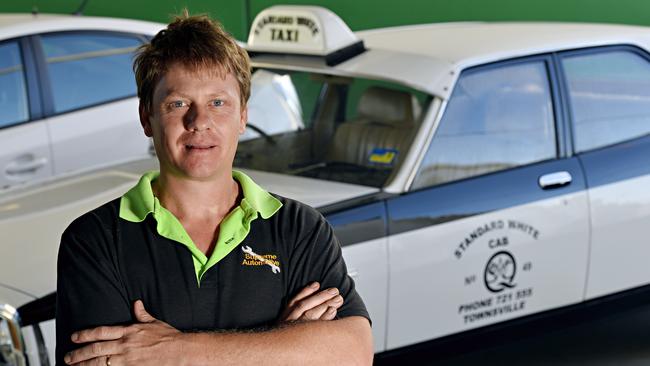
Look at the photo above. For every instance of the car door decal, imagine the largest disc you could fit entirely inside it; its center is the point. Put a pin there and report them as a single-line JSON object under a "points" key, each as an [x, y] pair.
{"points": [[499, 276]]}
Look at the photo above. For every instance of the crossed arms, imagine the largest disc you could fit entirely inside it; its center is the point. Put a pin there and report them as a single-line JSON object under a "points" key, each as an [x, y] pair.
{"points": [[305, 336]]}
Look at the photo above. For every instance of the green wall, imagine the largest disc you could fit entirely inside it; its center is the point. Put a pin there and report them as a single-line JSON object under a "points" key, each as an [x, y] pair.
{"points": [[360, 14], [230, 12]]}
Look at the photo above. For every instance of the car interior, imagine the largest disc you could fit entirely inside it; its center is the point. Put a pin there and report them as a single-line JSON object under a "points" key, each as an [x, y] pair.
{"points": [[358, 133]]}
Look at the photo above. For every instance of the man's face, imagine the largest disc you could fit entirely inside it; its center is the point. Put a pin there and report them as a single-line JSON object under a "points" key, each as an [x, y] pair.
{"points": [[195, 121]]}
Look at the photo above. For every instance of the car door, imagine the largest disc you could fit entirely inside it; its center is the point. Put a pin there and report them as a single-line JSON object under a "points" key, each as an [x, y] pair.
{"points": [[495, 225], [361, 230], [609, 93], [92, 109], [25, 153]]}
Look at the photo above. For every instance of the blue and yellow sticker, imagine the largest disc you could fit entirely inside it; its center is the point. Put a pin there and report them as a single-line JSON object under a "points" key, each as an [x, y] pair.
{"points": [[383, 156]]}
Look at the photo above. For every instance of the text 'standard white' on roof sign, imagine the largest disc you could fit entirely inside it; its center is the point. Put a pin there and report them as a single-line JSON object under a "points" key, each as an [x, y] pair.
{"points": [[306, 30]]}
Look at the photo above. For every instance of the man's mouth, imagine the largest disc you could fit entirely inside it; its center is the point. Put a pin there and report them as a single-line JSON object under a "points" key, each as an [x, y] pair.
{"points": [[199, 147]]}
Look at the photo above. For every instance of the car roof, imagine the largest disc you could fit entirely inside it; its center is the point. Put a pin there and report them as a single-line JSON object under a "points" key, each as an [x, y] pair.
{"points": [[12, 19], [430, 57], [469, 43], [16, 25]]}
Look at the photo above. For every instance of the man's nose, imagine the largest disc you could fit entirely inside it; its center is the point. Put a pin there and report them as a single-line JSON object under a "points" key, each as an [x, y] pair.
{"points": [[197, 118]]}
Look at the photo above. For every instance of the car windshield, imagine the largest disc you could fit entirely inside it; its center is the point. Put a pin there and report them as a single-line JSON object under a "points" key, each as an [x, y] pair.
{"points": [[329, 127]]}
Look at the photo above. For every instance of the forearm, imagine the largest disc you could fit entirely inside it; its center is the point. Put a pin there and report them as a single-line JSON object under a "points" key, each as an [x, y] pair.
{"points": [[341, 342]]}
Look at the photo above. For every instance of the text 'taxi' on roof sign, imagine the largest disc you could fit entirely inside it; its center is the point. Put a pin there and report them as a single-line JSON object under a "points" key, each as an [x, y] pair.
{"points": [[306, 30]]}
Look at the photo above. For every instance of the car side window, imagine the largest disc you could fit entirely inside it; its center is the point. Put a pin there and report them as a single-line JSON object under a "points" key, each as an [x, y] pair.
{"points": [[86, 69], [14, 107], [610, 97], [497, 118]]}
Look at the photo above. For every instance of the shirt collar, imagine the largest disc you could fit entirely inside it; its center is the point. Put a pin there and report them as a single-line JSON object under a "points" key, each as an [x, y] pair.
{"points": [[140, 201]]}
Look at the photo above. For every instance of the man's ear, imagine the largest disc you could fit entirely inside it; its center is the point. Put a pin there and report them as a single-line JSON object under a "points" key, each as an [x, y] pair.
{"points": [[244, 119], [144, 120]]}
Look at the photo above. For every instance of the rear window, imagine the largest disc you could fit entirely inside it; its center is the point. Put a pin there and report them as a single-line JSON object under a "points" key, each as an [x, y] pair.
{"points": [[610, 97]]}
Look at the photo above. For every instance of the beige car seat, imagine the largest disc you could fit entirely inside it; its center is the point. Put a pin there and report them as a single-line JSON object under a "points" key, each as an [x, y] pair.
{"points": [[385, 123]]}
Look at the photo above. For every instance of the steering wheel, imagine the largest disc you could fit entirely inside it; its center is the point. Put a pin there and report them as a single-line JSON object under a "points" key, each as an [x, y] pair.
{"points": [[265, 135]]}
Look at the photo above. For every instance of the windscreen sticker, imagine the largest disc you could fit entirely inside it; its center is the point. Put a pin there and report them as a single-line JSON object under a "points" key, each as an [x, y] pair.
{"points": [[383, 156], [503, 273]]}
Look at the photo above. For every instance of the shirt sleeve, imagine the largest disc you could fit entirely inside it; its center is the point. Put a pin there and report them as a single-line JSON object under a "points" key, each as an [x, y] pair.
{"points": [[318, 257], [89, 290]]}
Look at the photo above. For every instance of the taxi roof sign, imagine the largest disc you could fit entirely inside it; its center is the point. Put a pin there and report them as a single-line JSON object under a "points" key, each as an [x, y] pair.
{"points": [[303, 30]]}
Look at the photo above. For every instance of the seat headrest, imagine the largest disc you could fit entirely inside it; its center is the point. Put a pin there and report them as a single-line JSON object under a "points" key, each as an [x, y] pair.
{"points": [[388, 106]]}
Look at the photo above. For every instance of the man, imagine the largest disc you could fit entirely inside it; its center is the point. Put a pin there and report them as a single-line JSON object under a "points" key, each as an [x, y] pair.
{"points": [[203, 247]]}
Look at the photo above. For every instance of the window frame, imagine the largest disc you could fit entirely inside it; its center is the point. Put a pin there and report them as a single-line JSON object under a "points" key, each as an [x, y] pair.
{"points": [[557, 103], [564, 86], [44, 76], [34, 106]]}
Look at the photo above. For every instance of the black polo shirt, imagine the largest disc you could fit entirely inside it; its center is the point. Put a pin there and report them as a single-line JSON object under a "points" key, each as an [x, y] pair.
{"points": [[131, 248]]}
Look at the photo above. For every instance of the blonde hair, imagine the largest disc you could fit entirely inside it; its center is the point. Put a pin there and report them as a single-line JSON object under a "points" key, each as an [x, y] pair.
{"points": [[196, 42]]}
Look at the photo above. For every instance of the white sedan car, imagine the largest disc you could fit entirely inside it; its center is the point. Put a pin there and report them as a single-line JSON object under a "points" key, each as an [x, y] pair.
{"points": [[475, 173], [68, 95]]}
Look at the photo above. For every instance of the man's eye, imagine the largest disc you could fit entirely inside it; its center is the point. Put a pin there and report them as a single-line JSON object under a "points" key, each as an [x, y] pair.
{"points": [[177, 104], [217, 102]]}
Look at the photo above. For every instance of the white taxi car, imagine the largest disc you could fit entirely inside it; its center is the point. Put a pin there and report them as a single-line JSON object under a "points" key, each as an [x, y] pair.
{"points": [[68, 95], [474, 173]]}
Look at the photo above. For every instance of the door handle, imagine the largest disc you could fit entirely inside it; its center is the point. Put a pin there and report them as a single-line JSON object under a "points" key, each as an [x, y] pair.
{"points": [[555, 180], [17, 168]]}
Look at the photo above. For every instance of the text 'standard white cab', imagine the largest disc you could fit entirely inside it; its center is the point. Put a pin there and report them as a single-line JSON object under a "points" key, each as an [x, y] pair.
{"points": [[476, 174]]}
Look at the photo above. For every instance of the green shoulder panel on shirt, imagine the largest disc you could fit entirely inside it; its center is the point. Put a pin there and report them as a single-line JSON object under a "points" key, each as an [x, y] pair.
{"points": [[140, 201]]}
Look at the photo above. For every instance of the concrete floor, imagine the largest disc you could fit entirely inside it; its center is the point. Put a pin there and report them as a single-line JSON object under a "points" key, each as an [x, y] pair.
{"points": [[622, 339]]}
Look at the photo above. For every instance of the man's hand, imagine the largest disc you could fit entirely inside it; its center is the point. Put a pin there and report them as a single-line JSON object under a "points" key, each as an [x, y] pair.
{"points": [[148, 342], [309, 305], [153, 342]]}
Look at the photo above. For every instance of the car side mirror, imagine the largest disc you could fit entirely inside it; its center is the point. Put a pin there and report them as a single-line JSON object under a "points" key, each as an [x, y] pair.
{"points": [[12, 347]]}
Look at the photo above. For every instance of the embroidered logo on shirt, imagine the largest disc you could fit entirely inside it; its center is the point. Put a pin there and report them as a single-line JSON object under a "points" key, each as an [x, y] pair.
{"points": [[253, 259]]}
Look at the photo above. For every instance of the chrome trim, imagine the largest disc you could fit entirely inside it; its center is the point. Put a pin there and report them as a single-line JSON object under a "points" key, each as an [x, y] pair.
{"points": [[12, 346], [555, 180], [442, 107], [402, 179], [440, 113]]}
